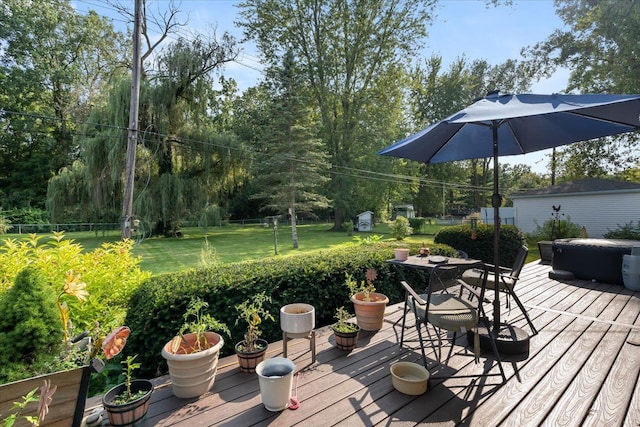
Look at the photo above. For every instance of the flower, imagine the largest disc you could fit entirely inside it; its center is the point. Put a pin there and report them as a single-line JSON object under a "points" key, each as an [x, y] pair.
{"points": [[113, 344], [371, 275], [73, 286], [46, 396]]}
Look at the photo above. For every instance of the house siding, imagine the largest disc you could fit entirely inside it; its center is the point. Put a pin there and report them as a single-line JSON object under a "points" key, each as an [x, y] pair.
{"points": [[599, 212]]}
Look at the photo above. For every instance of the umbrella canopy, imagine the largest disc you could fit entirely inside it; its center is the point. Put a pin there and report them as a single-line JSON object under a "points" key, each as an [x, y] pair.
{"points": [[504, 124], [525, 123]]}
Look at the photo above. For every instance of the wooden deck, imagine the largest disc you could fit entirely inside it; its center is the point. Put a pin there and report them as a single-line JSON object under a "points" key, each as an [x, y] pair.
{"points": [[583, 369]]}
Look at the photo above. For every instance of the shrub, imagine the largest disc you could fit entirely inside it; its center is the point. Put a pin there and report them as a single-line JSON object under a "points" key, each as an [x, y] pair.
{"points": [[562, 229], [478, 243], [625, 231], [400, 228], [156, 308], [417, 224], [110, 272], [26, 216], [348, 227], [30, 332], [4, 225]]}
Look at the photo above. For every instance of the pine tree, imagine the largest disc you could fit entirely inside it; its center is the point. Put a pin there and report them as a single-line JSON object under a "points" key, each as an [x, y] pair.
{"points": [[291, 168]]}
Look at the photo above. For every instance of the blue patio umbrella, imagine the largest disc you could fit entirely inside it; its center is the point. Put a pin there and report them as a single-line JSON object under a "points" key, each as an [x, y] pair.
{"points": [[505, 124]]}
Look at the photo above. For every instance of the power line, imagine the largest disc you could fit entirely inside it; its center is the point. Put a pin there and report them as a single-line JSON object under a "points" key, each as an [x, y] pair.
{"points": [[244, 151]]}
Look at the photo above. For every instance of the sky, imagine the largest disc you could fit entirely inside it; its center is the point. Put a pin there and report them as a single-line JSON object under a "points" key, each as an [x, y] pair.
{"points": [[461, 27]]}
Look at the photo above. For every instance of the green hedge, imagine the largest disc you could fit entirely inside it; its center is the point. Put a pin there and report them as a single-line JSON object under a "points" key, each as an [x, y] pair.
{"points": [[156, 308], [480, 245]]}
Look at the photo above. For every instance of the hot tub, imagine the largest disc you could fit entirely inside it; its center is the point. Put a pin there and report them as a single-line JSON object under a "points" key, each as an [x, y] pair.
{"points": [[592, 259]]}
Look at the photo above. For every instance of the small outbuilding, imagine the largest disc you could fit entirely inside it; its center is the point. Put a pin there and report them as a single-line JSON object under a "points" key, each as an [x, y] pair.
{"points": [[600, 205], [407, 211], [364, 221]]}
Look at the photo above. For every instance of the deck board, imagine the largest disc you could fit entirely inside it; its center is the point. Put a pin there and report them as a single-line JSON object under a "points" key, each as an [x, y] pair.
{"points": [[582, 369]]}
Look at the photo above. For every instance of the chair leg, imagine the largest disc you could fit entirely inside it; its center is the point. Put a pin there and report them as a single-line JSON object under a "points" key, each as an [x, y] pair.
{"points": [[404, 320], [494, 348], [524, 311], [453, 343], [424, 356]]}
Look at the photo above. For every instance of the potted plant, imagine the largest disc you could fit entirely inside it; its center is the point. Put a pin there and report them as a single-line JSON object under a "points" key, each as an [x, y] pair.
{"points": [[251, 349], [44, 317], [126, 404], [368, 304], [192, 355], [346, 333]]}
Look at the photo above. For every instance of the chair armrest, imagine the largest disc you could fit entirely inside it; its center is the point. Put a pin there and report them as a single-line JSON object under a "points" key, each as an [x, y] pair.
{"points": [[413, 293], [503, 270]]}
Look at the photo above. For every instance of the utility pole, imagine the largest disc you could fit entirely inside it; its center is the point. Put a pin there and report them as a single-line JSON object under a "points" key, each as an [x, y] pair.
{"points": [[132, 137]]}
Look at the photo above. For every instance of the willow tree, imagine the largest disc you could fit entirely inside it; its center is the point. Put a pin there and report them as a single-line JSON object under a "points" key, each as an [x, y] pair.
{"points": [[185, 166], [352, 54], [193, 160]]}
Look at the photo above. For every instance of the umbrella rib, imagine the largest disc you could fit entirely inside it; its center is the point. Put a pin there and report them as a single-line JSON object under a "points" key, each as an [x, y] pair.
{"points": [[515, 138], [592, 117], [446, 142]]}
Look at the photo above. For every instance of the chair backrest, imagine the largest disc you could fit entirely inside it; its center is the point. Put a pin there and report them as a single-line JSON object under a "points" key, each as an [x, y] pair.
{"points": [[521, 257]]}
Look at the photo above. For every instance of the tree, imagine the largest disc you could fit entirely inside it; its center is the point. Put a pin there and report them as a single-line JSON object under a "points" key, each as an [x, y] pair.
{"points": [[186, 165], [290, 168], [53, 64], [352, 54], [600, 49]]}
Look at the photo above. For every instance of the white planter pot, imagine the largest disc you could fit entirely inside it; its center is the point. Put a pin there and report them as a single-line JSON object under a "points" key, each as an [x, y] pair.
{"points": [[297, 319], [193, 374], [275, 377]]}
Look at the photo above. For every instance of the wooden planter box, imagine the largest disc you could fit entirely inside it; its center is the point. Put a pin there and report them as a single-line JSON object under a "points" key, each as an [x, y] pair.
{"points": [[67, 406]]}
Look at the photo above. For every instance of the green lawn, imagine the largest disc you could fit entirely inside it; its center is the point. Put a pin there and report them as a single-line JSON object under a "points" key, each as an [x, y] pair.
{"points": [[236, 243], [232, 243]]}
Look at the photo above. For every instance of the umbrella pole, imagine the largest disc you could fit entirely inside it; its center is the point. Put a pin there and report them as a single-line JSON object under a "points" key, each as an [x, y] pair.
{"points": [[508, 339], [496, 201]]}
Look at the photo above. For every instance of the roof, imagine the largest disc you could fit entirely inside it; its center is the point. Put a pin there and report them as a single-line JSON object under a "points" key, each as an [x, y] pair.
{"points": [[587, 185]]}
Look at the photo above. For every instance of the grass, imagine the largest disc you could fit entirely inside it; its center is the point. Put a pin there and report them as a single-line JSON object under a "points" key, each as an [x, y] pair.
{"points": [[231, 243], [236, 243]]}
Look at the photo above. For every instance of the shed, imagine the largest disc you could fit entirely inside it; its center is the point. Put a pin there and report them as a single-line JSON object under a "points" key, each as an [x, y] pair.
{"points": [[598, 204], [407, 211], [365, 221]]}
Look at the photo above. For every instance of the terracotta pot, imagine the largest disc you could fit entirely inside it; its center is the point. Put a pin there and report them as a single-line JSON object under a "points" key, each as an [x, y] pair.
{"points": [[346, 340], [193, 374], [130, 413], [370, 314], [248, 360], [401, 254]]}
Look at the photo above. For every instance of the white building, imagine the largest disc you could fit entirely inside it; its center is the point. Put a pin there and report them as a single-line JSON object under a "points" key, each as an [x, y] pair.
{"points": [[365, 221], [598, 204], [406, 211]]}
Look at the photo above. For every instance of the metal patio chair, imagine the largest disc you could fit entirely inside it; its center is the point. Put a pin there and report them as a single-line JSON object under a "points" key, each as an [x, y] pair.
{"points": [[507, 281], [443, 309]]}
